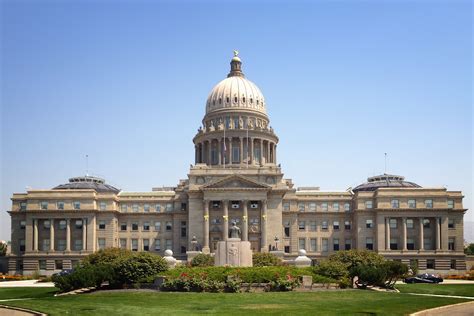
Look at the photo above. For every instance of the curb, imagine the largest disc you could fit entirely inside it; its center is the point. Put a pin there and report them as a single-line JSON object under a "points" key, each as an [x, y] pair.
{"points": [[427, 311], [29, 311]]}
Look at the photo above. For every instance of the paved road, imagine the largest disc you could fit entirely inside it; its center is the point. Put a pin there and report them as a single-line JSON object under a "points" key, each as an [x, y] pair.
{"points": [[462, 309]]}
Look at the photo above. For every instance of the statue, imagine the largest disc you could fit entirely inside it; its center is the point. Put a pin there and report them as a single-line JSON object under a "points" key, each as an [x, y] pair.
{"points": [[234, 231], [220, 125], [194, 243], [212, 128], [241, 123], [250, 124]]}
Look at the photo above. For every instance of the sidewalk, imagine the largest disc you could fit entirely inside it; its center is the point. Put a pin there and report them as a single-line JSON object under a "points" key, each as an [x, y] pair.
{"points": [[461, 309], [25, 283]]}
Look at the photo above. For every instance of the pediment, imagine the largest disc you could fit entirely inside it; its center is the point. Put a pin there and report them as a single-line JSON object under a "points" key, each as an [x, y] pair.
{"points": [[235, 182]]}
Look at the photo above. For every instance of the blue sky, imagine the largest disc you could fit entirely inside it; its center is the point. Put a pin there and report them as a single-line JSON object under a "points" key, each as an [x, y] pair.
{"points": [[126, 83]]}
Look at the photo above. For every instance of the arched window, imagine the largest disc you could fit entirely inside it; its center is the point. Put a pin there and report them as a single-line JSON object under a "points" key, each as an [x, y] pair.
{"points": [[235, 99], [220, 100]]}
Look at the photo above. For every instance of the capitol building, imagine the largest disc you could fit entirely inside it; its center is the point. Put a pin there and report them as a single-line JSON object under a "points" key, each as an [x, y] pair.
{"points": [[237, 177]]}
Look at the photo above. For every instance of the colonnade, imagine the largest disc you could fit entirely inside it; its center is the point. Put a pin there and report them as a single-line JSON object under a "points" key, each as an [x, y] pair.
{"points": [[52, 234], [421, 246]]}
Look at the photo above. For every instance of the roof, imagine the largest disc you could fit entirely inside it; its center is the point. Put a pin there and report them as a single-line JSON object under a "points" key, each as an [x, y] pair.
{"points": [[88, 183], [385, 181]]}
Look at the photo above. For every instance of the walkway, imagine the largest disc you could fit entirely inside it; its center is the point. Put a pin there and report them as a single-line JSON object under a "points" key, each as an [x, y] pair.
{"points": [[461, 309], [26, 283]]}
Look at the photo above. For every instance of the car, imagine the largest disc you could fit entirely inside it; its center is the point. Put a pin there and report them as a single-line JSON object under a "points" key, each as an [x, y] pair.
{"points": [[424, 278]]}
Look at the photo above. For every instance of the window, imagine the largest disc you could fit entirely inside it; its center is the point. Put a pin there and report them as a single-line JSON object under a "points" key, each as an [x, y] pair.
{"points": [[46, 245], [393, 243], [42, 264], [157, 245], [62, 224], [183, 207], [102, 206], [183, 249], [335, 244], [44, 205], [123, 243], [368, 204], [76, 205], [101, 224], [61, 246], [254, 204], [169, 207], [135, 208], [169, 226], [312, 226], [412, 203], [47, 224], [146, 208], [410, 244], [313, 245], [324, 245], [393, 223], [369, 243], [430, 264], [135, 226], [158, 208], [324, 206], [450, 204], [101, 243], [301, 225], [286, 206], [369, 223], [287, 228], [22, 245], [426, 223], [301, 207], [395, 204], [216, 220], [287, 249], [22, 224], [347, 225], [347, 207], [23, 206], [169, 244], [324, 225], [235, 204], [429, 203], [302, 243], [335, 207], [157, 226], [453, 264], [335, 225], [427, 243], [78, 224], [146, 244], [451, 243], [134, 244], [235, 154], [146, 226], [348, 244], [123, 226], [123, 207], [58, 264], [312, 207], [78, 244], [410, 223], [60, 205], [183, 229], [216, 204], [450, 223]]}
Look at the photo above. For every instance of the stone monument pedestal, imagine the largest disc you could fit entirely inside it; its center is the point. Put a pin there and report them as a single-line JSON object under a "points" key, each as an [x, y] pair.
{"points": [[234, 253]]}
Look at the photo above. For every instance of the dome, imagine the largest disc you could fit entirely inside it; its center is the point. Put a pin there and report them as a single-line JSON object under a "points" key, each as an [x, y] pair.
{"points": [[236, 93], [88, 183], [385, 181]]}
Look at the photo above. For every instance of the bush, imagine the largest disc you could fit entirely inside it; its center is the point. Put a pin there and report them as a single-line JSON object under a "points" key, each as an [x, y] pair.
{"points": [[332, 269], [82, 277], [107, 256], [265, 259], [394, 270], [137, 268], [284, 284], [202, 260]]}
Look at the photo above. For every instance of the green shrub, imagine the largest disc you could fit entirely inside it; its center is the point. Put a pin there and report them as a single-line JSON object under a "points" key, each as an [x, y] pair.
{"points": [[332, 269], [106, 256], [265, 259], [136, 268], [82, 277], [284, 284], [202, 260], [394, 270]]}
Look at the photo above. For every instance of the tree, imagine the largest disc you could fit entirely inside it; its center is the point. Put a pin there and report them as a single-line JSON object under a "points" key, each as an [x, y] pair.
{"points": [[3, 248], [265, 259], [354, 258], [469, 250], [202, 260]]}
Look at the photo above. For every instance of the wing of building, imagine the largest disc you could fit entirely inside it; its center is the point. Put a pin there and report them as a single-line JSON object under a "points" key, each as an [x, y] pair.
{"points": [[237, 178]]}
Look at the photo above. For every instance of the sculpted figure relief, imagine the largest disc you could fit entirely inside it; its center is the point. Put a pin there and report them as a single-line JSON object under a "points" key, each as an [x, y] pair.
{"points": [[211, 127], [250, 123], [241, 123], [220, 126]]}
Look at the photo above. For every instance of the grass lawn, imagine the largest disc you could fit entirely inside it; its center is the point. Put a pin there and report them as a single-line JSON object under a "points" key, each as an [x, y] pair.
{"points": [[289, 303], [442, 289]]}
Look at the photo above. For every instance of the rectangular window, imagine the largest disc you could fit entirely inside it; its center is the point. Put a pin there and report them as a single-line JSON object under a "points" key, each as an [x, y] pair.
{"points": [[135, 226], [169, 244], [412, 203], [60, 205], [134, 244], [348, 244], [157, 226], [123, 207], [430, 264], [347, 225], [22, 224], [123, 226], [395, 204], [183, 207], [47, 224], [44, 205], [393, 223], [324, 206], [62, 224], [76, 205], [135, 208], [58, 264], [335, 244], [146, 208], [287, 228], [312, 206], [324, 245], [169, 226], [287, 249], [427, 243], [157, 245], [146, 244], [393, 243], [235, 204], [313, 245], [347, 207], [410, 244], [101, 243], [101, 224], [78, 244], [324, 225], [61, 246], [301, 207], [169, 207], [368, 204], [369, 243], [146, 226], [335, 207], [123, 243], [335, 225], [254, 204], [22, 245], [301, 225], [286, 206], [216, 204], [42, 264], [302, 243], [102, 206], [158, 208], [46, 245], [426, 223], [450, 223], [183, 229], [410, 223], [23, 206], [369, 223], [429, 203], [450, 203], [235, 154], [312, 226], [451, 241], [453, 264]]}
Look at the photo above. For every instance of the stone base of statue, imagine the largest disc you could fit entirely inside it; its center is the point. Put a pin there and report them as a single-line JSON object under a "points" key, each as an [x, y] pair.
{"points": [[233, 252]]}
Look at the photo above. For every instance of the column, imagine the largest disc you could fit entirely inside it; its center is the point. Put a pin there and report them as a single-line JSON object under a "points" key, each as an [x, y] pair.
{"points": [[206, 225], [68, 234], [245, 225], [230, 150], [387, 233], [264, 246], [196, 149], [404, 233], [251, 151], [209, 154], [51, 234], [35, 234], [438, 233], [219, 151], [267, 160], [241, 150], [225, 217], [421, 241], [261, 151], [275, 153], [84, 234], [202, 152]]}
